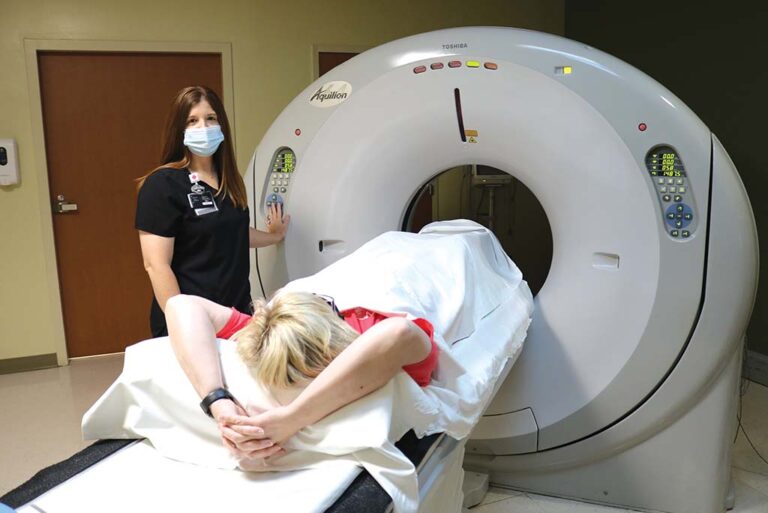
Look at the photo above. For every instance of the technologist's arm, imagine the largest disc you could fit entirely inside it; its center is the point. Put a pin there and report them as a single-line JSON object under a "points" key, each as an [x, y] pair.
{"points": [[157, 253], [366, 365], [277, 224], [192, 326]]}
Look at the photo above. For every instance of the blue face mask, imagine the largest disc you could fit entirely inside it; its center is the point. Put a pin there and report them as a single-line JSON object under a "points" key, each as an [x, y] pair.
{"points": [[203, 142]]}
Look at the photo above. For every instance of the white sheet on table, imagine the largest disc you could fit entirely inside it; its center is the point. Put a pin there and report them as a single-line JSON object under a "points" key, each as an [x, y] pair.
{"points": [[139, 478], [453, 273]]}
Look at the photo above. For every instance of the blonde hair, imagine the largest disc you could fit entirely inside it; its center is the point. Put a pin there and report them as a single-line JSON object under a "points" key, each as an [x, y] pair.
{"points": [[292, 338]]}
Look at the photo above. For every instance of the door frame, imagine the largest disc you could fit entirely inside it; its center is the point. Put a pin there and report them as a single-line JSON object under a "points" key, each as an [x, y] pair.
{"points": [[31, 49]]}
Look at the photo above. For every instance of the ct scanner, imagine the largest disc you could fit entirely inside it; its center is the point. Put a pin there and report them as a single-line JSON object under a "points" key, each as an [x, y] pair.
{"points": [[626, 390], [627, 386]]}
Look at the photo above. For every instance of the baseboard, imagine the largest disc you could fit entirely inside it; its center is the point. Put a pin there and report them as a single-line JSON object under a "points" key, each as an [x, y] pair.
{"points": [[757, 367], [28, 363]]}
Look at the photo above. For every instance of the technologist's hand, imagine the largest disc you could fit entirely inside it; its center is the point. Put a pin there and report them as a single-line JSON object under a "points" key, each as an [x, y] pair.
{"points": [[240, 445], [277, 223]]}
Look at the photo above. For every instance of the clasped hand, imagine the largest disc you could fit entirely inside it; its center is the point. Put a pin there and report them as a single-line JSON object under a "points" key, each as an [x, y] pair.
{"points": [[254, 434]]}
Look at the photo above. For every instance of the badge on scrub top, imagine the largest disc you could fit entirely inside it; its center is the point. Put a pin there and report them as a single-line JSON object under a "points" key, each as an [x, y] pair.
{"points": [[200, 200]]}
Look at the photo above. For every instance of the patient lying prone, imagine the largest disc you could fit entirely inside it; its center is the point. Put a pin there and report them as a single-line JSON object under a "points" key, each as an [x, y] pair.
{"points": [[310, 358], [326, 389]]}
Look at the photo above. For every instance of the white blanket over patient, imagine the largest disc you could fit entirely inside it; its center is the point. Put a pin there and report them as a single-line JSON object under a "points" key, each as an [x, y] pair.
{"points": [[453, 273]]}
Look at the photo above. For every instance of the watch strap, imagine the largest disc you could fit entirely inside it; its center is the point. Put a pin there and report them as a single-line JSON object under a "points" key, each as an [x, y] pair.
{"points": [[212, 397]]}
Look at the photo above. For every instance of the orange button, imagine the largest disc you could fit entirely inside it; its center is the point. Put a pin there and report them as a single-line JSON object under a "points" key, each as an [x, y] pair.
{"points": [[419, 69], [490, 65]]}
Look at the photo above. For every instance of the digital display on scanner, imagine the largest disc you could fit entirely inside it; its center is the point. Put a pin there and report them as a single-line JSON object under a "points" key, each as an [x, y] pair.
{"points": [[664, 161], [668, 165]]}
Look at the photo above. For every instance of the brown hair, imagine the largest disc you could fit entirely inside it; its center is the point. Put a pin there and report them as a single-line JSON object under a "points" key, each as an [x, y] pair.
{"points": [[175, 155]]}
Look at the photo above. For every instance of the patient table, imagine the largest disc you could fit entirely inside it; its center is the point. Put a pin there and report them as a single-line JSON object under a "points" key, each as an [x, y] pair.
{"points": [[480, 316]]}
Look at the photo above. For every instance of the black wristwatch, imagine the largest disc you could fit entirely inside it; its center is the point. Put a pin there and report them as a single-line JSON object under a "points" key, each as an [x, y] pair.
{"points": [[215, 395]]}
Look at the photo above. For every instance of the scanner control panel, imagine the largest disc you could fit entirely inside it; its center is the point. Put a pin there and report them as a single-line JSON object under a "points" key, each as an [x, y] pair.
{"points": [[279, 176], [675, 197]]}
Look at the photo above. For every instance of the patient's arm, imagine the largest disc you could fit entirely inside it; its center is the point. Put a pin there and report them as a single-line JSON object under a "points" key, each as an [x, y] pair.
{"points": [[366, 365], [192, 326]]}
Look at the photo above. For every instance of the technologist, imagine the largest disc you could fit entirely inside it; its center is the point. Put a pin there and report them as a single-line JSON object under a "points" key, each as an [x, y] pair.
{"points": [[192, 211]]}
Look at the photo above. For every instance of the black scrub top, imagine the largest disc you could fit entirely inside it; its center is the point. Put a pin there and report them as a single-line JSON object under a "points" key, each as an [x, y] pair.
{"points": [[210, 251]]}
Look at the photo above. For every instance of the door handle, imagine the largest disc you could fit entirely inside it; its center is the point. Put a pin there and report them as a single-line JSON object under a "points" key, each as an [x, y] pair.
{"points": [[62, 206]]}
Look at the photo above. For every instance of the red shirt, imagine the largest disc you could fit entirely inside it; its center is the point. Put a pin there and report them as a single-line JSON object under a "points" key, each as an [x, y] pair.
{"points": [[360, 319]]}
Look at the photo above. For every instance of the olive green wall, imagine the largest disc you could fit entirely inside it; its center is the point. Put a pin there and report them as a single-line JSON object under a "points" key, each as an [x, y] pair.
{"points": [[272, 61], [710, 54]]}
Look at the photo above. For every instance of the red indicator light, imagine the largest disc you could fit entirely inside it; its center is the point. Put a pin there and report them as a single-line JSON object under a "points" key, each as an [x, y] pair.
{"points": [[436, 65], [419, 69], [491, 65], [454, 64], [642, 127], [297, 131]]}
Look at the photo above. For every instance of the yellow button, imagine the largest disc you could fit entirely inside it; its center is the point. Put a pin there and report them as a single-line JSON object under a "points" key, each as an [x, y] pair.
{"points": [[473, 64]]}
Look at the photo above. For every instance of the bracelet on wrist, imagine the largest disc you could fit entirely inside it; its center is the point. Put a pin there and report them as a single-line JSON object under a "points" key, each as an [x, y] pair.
{"points": [[212, 397]]}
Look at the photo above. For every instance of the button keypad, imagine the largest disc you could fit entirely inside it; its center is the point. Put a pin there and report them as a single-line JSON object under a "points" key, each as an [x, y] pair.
{"points": [[283, 165], [669, 178], [678, 217]]}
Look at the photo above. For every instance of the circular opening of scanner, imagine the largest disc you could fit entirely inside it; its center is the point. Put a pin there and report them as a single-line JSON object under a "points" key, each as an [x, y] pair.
{"points": [[497, 200]]}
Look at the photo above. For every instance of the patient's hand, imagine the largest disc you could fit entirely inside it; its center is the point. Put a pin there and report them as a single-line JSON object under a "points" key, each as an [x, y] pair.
{"points": [[274, 426], [278, 424], [242, 446]]}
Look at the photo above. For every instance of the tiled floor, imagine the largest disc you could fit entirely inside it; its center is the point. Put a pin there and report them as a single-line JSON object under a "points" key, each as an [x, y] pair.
{"points": [[41, 414]]}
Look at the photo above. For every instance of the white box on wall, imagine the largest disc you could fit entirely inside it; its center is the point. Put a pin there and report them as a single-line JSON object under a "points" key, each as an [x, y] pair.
{"points": [[9, 163]]}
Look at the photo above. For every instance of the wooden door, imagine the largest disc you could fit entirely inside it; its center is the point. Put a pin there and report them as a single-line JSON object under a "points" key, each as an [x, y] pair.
{"points": [[328, 60], [103, 116]]}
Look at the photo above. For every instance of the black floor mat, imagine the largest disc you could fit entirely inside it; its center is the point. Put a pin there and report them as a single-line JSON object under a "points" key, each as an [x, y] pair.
{"points": [[56, 474]]}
